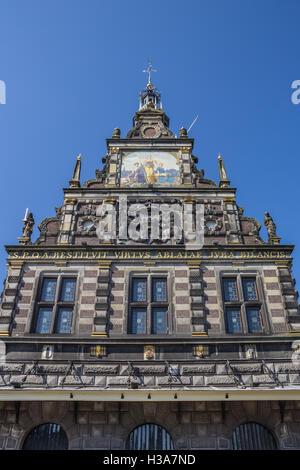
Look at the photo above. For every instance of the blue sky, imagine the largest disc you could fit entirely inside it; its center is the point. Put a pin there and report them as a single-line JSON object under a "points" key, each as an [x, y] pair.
{"points": [[73, 71]]}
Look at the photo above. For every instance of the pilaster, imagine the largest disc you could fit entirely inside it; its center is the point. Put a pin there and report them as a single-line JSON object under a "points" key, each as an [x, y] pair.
{"points": [[67, 221], [102, 305], [10, 296], [199, 327]]}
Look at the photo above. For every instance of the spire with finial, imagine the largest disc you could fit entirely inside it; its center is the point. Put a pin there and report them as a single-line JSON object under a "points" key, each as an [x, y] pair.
{"points": [[150, 121], [149, 70], [150, 96], [75, 181], [224, 181]]}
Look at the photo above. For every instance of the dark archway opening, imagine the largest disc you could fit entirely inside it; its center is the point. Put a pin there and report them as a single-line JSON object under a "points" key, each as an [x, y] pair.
{"points": [[149, 437], [253, 436], [48, 436]]}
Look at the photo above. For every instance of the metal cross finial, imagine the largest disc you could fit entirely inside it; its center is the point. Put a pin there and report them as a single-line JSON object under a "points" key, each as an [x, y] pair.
{"points": [[149, 70]]}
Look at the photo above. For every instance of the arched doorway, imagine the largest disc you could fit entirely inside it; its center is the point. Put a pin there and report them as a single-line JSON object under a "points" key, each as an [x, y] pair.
{"points": [[253, 436], [149, 437], [48, 436]]}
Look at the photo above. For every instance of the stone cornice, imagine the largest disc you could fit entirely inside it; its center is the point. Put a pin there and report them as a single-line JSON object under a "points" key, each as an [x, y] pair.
{"points": [[150, 141], [151, 190], [170, 340], [209, 394], [158, 248]]}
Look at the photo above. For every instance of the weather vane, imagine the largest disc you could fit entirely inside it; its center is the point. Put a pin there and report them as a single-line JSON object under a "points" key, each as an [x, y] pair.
{"points": [[149, 70]]}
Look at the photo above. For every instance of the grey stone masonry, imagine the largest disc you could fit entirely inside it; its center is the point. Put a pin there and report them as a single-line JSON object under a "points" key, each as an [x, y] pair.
{"points": [[191, 425], [243, 374]]}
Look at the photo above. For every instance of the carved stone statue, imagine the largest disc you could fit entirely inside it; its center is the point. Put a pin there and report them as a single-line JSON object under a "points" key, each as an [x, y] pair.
{"points": [[183, 133], [269, 223], [201, 174], [241, 211], [28, 226], [116, 133]]}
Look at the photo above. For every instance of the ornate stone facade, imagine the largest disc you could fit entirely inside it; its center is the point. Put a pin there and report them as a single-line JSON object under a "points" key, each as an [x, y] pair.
{"points": [[228, 353]]}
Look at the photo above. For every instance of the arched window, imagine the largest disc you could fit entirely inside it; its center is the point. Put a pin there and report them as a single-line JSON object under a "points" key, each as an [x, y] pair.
{"points": [[149, 437], [47, 436], [253, 436]]}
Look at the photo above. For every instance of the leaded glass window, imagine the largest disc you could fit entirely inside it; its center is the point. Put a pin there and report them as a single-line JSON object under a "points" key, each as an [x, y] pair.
{"points": [[64, 320], [242, 305], [138, 318], [230, 289], [159, 320], [253, 318], [68, 290], [249, 289], [48, 291], [55, 305], [44, 320], [233, 320], [148, 305], [139, 287], [159, 290]]}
